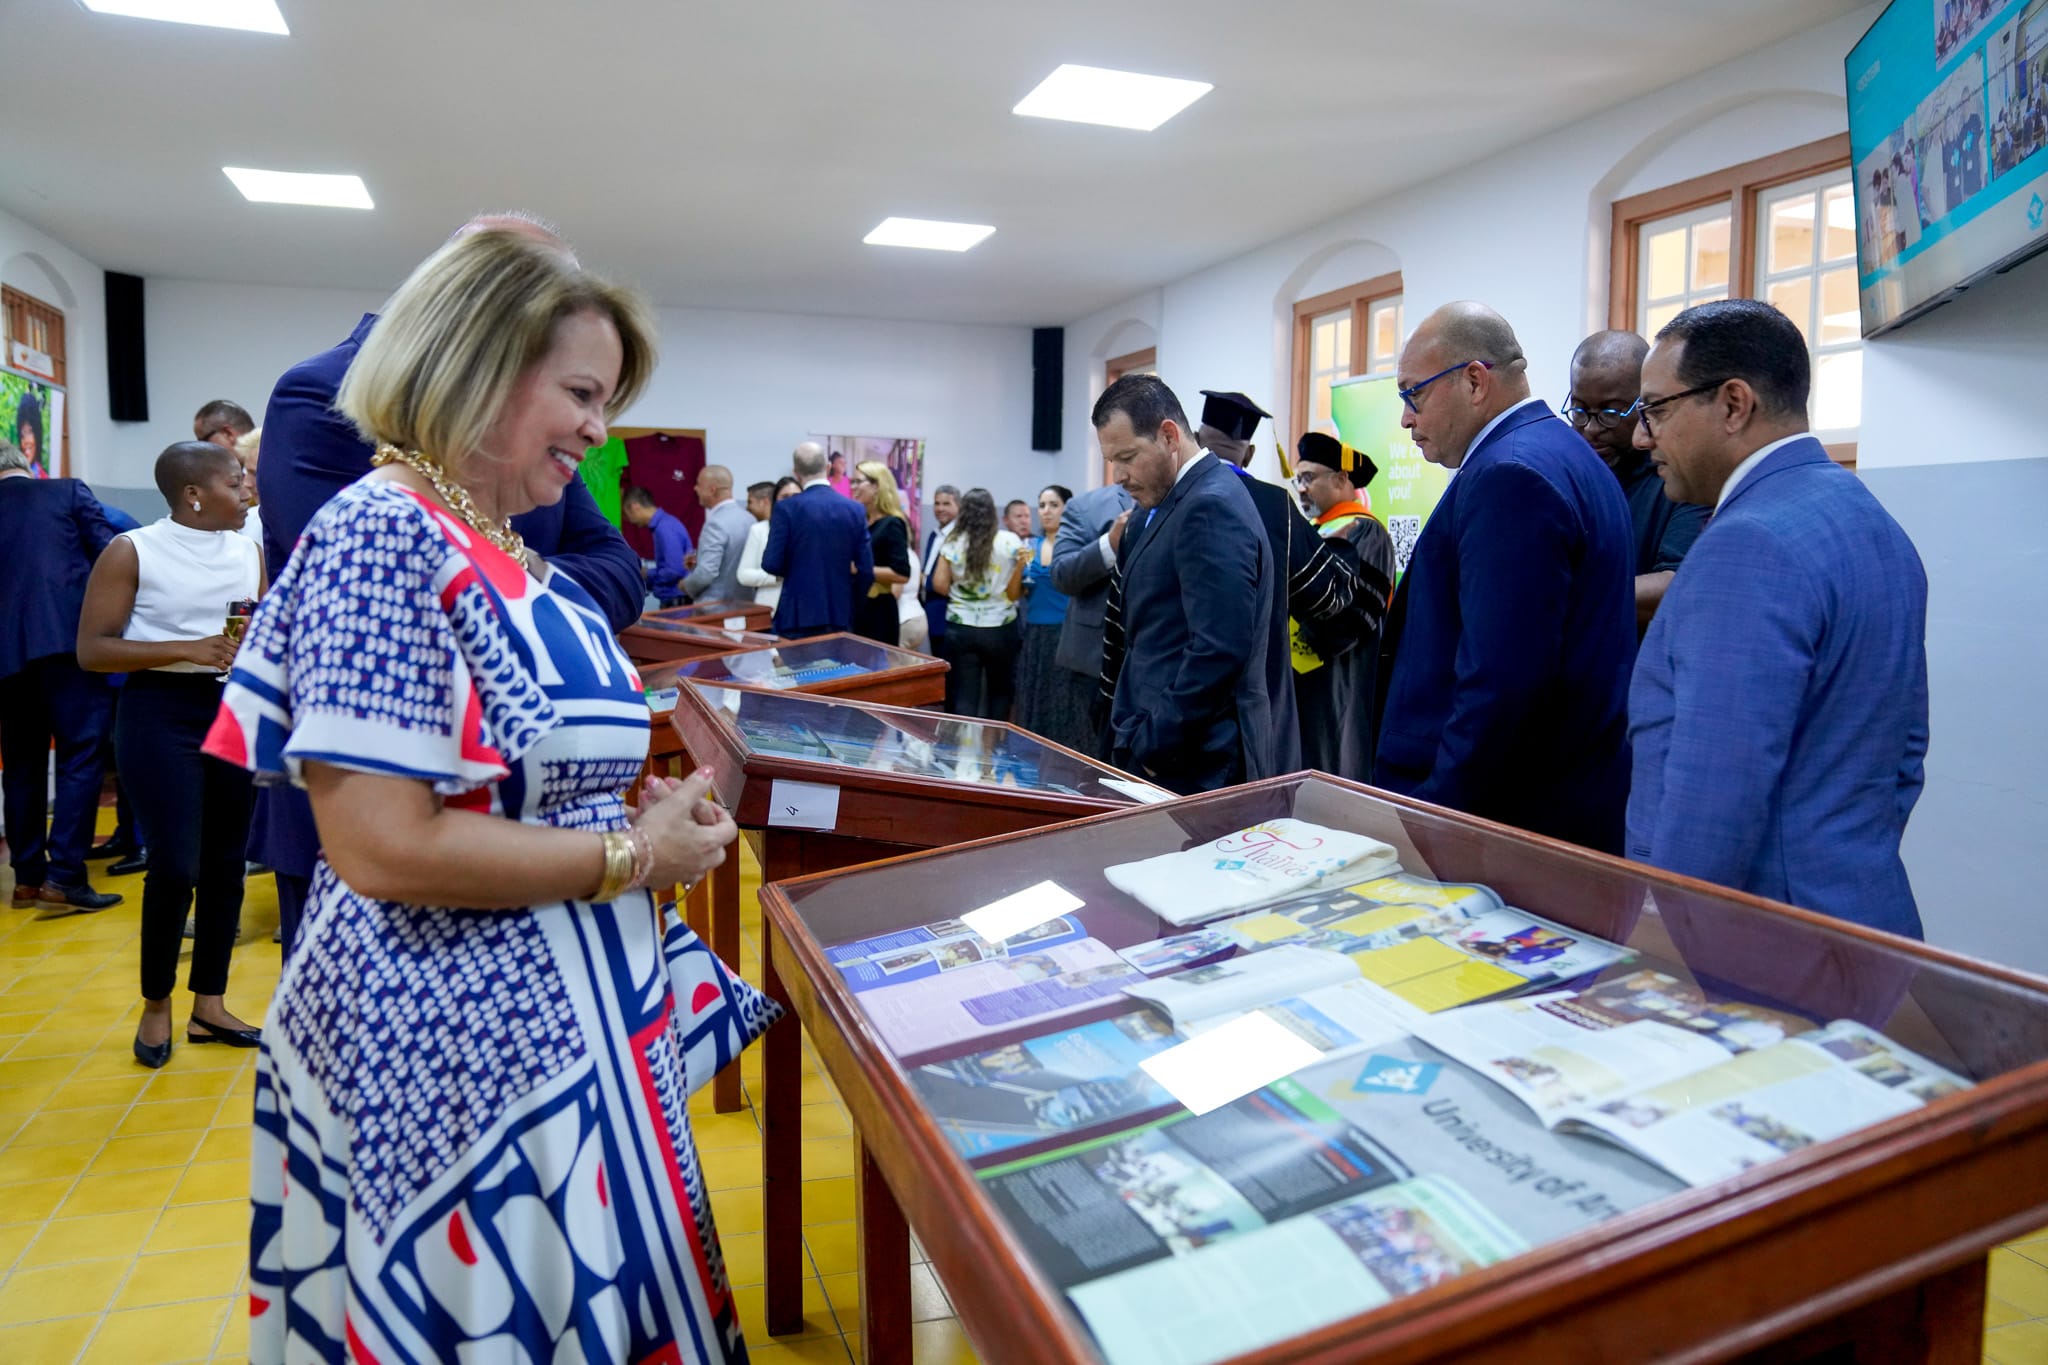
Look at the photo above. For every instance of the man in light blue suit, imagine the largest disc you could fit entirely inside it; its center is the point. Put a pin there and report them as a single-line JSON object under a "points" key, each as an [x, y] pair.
{"points": [[818, 546], [1779, 707]]}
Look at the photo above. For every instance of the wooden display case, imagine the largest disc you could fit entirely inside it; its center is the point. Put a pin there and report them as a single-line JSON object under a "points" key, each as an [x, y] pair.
{"points": [[1868, 1246], [652, 641], [901, 780]]}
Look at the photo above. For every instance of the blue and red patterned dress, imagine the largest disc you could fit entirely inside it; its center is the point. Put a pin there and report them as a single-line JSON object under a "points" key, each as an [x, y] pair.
{"points": [[471, 1140]]}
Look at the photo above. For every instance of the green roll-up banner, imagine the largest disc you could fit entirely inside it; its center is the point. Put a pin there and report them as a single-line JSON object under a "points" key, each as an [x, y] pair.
{"points": [[1367, 411]]}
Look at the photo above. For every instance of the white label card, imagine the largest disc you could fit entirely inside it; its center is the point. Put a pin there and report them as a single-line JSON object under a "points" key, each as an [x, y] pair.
{"points": [[1026, 909], [735, 623], [802, 805], [1141, 792], [1230, 1061]]}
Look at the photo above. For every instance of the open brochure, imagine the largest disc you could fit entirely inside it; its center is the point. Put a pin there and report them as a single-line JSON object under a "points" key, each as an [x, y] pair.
{"points": [[993, 994], [1704, 1089], [1249, 867], [1047, 1086], [940, 946], [1294, 1277]]}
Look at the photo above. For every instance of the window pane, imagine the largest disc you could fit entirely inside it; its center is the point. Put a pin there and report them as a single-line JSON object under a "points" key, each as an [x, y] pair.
{"points": [[1794, 298], [1838, 391], [1665, 253], [1386, 333], [1343, 360], [1838, 316], [1655, 318], [1791, 233], [1325, 333], [1710, 255], [1840, 243], [1319, 402]]}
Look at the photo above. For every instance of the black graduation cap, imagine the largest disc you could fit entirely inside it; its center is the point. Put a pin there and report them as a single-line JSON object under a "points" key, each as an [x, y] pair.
{"points": [[1233, 414], [1320, 448]]}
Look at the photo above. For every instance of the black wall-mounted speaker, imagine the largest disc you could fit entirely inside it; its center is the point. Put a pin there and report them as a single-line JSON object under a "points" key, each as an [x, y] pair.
{"points": [[127, 366], [1048, 371]]}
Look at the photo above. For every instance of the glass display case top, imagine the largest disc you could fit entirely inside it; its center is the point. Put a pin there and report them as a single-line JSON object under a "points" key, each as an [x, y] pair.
{"points": [[802, 663], [909, 743], [1295, 1033]]}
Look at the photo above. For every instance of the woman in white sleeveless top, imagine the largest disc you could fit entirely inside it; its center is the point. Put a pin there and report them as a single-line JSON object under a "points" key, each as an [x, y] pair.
{"points": [[155, 609]]}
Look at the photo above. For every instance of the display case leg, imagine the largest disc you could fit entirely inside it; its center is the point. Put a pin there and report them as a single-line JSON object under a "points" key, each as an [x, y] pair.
{"points": [[782, 1170], [725, 941], [884, 1265]]}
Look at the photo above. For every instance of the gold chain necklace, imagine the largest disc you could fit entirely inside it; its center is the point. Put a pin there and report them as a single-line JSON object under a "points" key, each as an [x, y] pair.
{"points": [[456, 496]]}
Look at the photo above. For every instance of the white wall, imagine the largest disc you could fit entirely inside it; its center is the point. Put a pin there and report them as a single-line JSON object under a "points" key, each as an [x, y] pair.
{"points": [[757, 383], [41, 266], [1527, 232]]}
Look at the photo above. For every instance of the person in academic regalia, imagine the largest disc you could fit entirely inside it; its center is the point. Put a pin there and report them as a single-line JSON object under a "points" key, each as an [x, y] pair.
{"points": [[1335, 695], [1313, 589]]}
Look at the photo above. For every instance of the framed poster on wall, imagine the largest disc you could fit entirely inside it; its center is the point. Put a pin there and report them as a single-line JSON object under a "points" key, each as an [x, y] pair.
{"points": [[32, 417], [904, 455]]}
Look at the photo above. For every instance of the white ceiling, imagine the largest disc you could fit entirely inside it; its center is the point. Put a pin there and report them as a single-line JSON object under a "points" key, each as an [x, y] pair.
{"points": [[731, 155]]}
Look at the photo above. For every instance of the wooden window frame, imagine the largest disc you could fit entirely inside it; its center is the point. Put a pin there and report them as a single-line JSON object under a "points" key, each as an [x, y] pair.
{"points": [[1359, 298], [16, 307], [1116, 367], [1741, 187]]}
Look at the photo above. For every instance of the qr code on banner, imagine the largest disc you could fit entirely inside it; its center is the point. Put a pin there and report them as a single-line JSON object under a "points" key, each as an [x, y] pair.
{"points": [[1404, 530]]}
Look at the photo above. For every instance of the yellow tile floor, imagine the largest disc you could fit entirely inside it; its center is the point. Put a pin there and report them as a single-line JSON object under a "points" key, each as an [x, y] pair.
{"points": [[123, 1193]]}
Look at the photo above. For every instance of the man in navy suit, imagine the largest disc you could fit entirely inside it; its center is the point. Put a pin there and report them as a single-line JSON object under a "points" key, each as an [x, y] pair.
{"points": [[818, 546], [1190, 709], [1779, 710], [1513, 630], [53, 530], [313, 453]]}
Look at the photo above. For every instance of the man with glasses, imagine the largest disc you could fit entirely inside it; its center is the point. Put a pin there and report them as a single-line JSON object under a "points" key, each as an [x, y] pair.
{"points": [[1513, 630], [1606, 376], [1779, 709], [222, 422]]}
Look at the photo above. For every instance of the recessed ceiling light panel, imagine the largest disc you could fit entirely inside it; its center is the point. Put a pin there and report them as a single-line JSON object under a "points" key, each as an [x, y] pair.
{"points": [[927, 234], [256, 16], [295, 187], [1114, 99]]}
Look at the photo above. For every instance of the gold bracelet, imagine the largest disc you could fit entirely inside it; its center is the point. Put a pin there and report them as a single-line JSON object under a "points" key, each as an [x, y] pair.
{"points": [[618, 867]]}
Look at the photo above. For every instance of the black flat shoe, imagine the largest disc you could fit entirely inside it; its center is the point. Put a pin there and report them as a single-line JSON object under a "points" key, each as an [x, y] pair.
{"points": [[214, 1033], [135, 862], [152, 1057]]}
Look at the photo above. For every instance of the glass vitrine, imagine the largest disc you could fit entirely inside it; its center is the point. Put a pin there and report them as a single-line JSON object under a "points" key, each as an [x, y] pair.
{"points": [[1299, 1071], [824, 665], [653, 639]]}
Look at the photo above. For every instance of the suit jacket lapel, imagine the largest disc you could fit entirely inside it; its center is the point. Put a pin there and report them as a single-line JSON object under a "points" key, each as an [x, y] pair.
{"points": [[1167, 507]]}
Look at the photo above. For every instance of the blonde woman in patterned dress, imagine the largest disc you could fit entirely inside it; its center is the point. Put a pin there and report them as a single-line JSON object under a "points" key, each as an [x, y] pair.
{"points": [[471, 1135]]}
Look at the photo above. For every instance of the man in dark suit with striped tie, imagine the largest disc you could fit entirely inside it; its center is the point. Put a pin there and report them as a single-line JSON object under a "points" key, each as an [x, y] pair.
{"points": [[1192, 602]]}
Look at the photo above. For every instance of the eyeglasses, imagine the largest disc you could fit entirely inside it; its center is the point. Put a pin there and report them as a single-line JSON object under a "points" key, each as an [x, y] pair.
{"points": [[1644, 408], [1408, 395], [1603, 419]]}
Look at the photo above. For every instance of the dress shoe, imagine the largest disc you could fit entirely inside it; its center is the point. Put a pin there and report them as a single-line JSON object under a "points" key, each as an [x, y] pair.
{"points": [[215, 1033], [80, 899], [138, 861], [112, 848], [152, 1057], [25, 896]]}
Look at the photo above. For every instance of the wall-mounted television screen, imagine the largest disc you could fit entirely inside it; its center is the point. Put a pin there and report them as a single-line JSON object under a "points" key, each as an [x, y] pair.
{"points": [[1948, 125]]}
